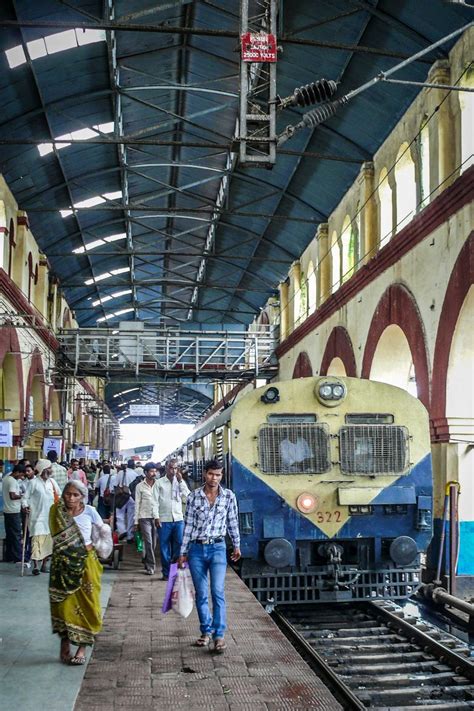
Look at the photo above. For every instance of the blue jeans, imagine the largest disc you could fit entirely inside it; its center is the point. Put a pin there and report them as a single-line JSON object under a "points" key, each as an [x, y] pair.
{"points": [[171, 537], [204, 559]]}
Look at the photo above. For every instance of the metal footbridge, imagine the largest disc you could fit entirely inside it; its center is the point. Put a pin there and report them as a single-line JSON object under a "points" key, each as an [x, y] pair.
{"points": [[168, 354]]}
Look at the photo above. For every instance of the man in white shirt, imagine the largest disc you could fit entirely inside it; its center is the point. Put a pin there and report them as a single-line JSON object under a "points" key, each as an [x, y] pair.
{"points": [[40, 496], [171, 492], [125, 515], [12, 500], [146, 511]]}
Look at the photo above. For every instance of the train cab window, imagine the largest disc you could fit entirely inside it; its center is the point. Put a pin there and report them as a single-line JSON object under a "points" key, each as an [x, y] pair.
{"points": [[283, 419], [374, 449], [368, 418], [296, 448]]}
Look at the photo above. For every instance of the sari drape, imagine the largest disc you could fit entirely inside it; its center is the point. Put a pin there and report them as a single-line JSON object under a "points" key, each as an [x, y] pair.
{"points": [[74, 584]]}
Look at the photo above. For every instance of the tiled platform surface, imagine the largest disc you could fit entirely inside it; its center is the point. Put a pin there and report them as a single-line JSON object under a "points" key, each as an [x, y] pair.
{"points": [[145, 660]]}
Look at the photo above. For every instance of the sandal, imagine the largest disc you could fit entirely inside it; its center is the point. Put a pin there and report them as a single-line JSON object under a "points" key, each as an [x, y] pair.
{"points": [[77, 661], [203, 641], [219, 646]]}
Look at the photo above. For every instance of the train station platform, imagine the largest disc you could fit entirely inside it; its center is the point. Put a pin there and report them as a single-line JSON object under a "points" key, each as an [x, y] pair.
{"points": [[145, 659]]}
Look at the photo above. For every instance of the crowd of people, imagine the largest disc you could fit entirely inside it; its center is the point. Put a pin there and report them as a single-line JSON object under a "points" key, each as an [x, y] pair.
{"points": [[53, 510]]}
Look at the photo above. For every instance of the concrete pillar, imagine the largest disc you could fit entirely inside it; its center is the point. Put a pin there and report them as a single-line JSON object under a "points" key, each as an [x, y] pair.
{"points": [[42, 287], [368, 239], [295, 295], [324, 263], [53, 304], [19, 272], [441, 74], [284, 316]]}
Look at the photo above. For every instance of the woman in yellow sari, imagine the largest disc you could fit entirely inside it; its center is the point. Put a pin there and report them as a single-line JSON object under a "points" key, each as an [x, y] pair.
{"points": [[75, 575]]}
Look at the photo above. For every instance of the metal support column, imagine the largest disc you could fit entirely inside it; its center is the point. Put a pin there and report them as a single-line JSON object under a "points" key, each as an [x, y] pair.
{"points": [[258, 85]]}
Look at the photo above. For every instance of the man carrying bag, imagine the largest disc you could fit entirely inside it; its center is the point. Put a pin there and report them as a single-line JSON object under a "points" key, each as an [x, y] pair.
{"points": [[124, 504]]}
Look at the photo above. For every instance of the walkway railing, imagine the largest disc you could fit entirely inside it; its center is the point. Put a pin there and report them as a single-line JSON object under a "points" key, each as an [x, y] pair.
{"points": [[207, 354]]}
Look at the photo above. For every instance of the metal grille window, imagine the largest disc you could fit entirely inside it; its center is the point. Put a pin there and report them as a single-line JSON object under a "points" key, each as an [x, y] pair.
{"points": [[374, 449], [298, 448]]}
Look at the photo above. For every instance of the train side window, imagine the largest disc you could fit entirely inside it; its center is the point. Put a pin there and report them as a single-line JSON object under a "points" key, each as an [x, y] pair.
{"points": [[297, 448]]}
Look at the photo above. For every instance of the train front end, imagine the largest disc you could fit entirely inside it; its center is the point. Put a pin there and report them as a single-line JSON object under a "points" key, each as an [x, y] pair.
{"points": [[334, 484]]}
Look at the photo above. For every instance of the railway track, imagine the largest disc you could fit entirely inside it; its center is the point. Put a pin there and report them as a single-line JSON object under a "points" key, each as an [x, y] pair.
{"points": [[373, 656]]}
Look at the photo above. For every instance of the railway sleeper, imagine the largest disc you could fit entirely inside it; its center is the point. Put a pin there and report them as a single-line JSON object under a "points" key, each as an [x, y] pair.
{"points": [[391, 666], [393, 680], [375, 658], [420, 693], [361, 650], [325, 626], [368, 633], [357, 640]]}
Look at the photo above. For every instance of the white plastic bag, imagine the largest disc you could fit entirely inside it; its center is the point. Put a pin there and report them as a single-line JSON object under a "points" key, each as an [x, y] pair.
{"points": [[182, 599], [101, 537]]}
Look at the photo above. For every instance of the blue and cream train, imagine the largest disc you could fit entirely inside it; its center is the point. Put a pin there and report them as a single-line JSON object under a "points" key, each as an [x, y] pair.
{"points": [[334, 486]]}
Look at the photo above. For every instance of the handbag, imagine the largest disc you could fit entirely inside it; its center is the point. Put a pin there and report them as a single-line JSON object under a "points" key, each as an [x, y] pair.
{"points": [[122, 494], [101, 537], [182, 599], [169, 587]]}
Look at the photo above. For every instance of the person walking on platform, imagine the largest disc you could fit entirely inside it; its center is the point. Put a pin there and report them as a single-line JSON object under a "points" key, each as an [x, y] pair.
{"points": [[146, 512], [76, 473], [12, 504], [171, 493], [58, 472], [124, 504], [211, 513], [75, 577], [40, 496], [103, 486]]}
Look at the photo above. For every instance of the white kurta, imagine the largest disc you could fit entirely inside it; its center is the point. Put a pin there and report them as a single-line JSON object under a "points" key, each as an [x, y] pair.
{"points": [[40, 497]]}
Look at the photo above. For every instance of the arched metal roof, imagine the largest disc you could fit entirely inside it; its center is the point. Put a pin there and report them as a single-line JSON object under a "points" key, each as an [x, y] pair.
{"points": [[172, 94]]}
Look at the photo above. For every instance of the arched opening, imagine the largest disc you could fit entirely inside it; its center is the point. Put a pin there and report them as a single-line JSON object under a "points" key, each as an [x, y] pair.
{"points": [[406, 187], [11, 246], [339, 348], [392, 362], [466, 100], [303, 367], [312, 296], [55, 409], [36, 412], [424, 163], [297, 301], [460, 375], [397, 307], [303, 299], [347, 249], [385, 208], [10, 402], [335, 263], [336, 367]]}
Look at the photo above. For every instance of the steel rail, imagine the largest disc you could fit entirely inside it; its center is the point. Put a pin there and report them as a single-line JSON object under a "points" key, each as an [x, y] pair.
{"points": [[343, 692], [462, 665]]}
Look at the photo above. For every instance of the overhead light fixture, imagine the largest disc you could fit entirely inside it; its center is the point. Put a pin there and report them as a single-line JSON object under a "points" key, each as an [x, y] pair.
{"points": [[330, 391]]}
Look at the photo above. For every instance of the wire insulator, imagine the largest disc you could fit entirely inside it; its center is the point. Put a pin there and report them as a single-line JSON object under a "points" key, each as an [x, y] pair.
{"points": [[322, 113], [314, 93]]}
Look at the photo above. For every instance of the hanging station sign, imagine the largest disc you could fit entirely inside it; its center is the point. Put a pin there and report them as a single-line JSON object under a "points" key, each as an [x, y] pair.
{"points": [[258, 47], [44, 425], [144, 410], [94, 454], [6, 433], [53, 444]]}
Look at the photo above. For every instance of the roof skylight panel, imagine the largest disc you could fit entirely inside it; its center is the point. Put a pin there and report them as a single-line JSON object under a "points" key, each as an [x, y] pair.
{"points": [[109, 297], [82, 134], [92, 201], [51, 44], [106, 275], [113, 315], [96, 243]]}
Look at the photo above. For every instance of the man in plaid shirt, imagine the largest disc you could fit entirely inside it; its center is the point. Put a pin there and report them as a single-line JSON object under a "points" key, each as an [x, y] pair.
{"points": [[211, 512]]}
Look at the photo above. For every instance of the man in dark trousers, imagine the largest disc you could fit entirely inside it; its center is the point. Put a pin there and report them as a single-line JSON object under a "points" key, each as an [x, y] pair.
{"points": [[12, 497], [211, 513]]}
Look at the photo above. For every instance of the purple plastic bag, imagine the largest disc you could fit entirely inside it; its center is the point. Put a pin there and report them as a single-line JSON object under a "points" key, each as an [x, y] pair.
{"points": [[169, 588]]}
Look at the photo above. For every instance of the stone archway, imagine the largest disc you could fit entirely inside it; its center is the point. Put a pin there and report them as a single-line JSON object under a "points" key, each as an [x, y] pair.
{"points": [[336, 367], [12, 380], [456, 297], [339, 346], [398, 307], [303, 367]]}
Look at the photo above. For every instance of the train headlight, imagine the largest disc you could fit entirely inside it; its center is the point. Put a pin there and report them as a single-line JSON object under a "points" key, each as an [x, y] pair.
{"points": [[403, 550], [330, 391], [306, 503], [270, 396]]}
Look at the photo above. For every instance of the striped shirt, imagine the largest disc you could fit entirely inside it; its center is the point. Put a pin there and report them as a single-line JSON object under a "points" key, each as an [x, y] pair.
{"points": [[59, 475], [203, 521]]}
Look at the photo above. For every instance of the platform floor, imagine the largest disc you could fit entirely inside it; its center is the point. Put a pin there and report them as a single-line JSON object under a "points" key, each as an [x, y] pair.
{"points": [[144, 659]]}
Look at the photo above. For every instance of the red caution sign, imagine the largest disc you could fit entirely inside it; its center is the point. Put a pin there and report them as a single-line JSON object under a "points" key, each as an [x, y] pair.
{"points": [[258, 47]]}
